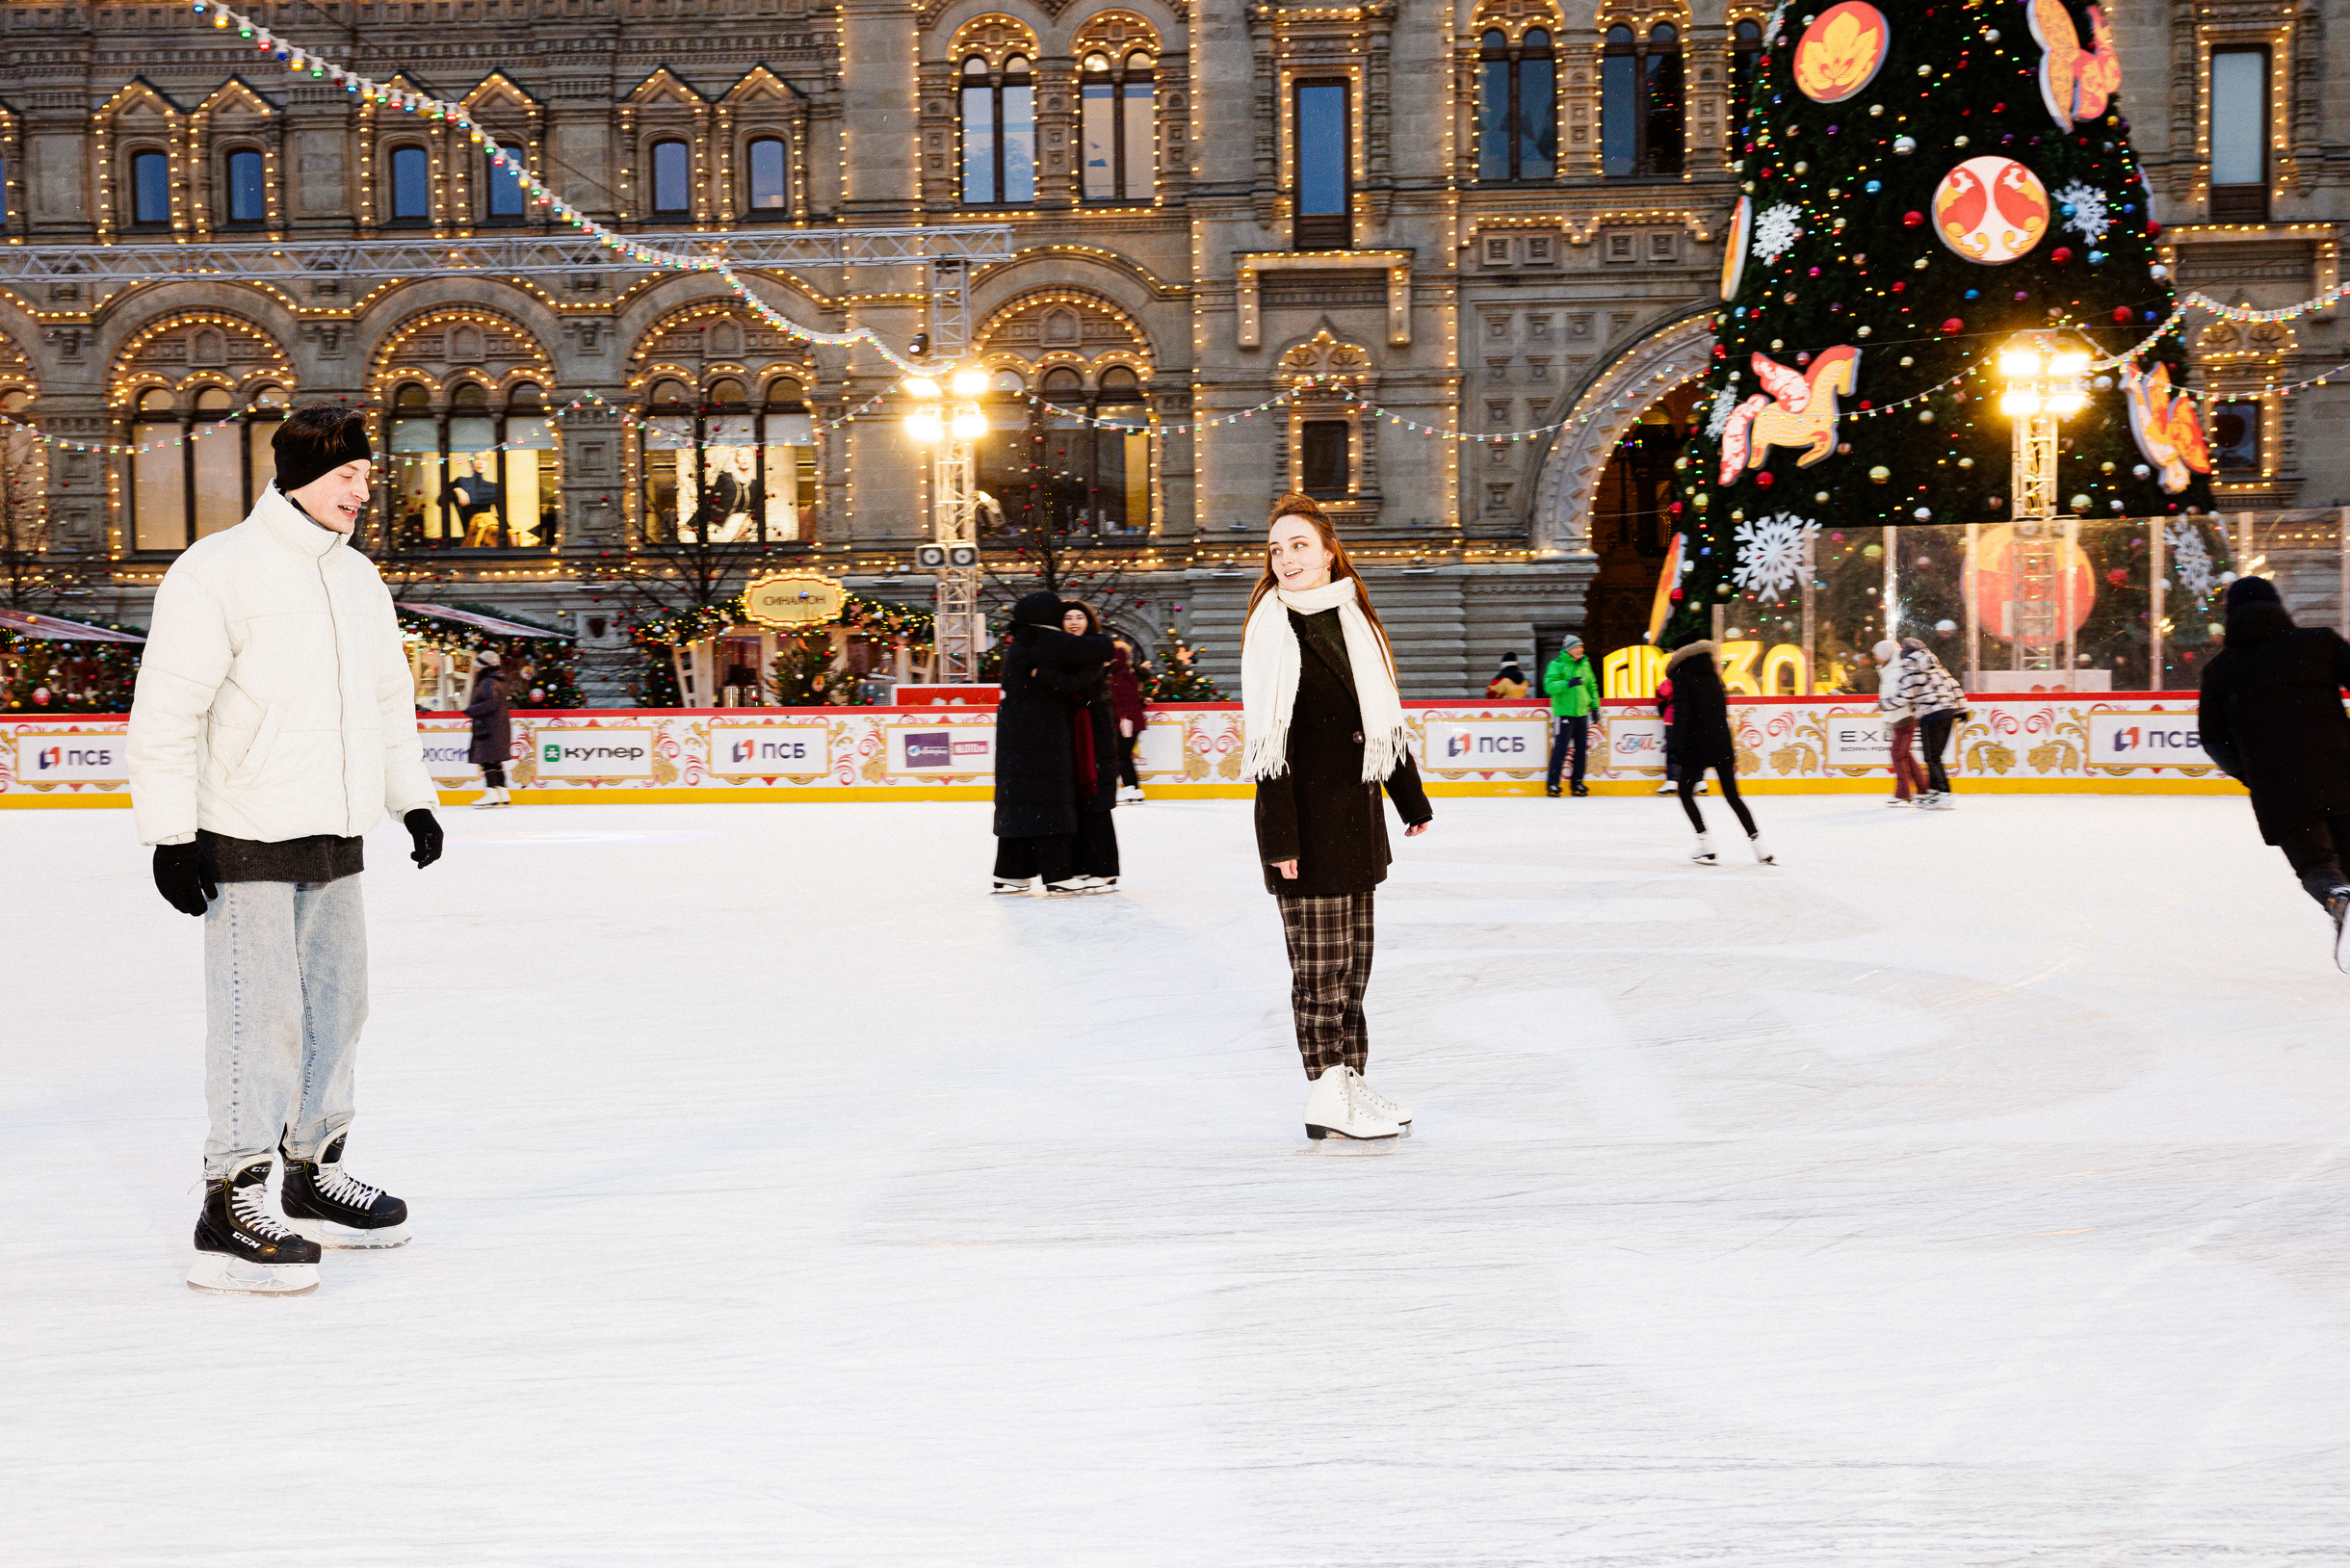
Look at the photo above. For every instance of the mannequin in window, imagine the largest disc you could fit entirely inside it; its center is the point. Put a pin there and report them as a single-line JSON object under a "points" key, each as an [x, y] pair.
{"points": [[473, 496]]}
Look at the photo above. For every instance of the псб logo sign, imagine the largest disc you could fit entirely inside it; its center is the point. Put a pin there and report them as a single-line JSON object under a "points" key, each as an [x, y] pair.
{"points": [[58, 756], [2156, 739]]}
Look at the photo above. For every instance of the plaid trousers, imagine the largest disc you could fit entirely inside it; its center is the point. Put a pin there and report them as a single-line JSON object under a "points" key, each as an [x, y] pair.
{"points": [[1329, 942]]}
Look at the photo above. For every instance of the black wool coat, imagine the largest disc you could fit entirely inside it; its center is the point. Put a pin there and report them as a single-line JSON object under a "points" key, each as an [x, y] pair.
{"points": [[2271, 716], [1036, 781], [493, 731], [1700, 736], [1321, 813], [1102, 710]]}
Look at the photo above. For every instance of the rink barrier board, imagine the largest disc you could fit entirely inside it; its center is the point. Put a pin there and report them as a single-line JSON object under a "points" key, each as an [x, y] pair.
{"points": [[2119, 743]]}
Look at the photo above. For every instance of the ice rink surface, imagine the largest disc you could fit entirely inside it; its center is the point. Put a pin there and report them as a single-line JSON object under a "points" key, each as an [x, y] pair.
{"points": [[1968, 1190]]}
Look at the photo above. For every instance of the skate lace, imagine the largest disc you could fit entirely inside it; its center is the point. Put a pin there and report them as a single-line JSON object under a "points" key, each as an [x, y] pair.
{"points": [[245, 1203], [333, 1184], [1376, 1101]]}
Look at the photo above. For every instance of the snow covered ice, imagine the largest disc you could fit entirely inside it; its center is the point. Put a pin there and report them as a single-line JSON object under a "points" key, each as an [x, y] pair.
{"points": [[1966, 1191]]}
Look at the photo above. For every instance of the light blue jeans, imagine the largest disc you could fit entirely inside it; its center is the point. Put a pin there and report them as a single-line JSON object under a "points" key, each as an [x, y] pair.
{"points": [[285, 993]]}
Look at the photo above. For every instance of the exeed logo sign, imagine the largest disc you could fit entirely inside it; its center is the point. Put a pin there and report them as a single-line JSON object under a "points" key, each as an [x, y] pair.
{"points": [[930, 751]]}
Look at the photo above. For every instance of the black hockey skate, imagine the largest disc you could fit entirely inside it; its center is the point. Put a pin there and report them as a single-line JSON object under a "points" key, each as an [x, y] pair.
{"points": [[331, 1209], [241, 1248]]}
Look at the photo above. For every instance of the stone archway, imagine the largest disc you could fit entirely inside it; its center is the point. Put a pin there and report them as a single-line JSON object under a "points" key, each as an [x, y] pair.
{"points": [[1678, 351]]}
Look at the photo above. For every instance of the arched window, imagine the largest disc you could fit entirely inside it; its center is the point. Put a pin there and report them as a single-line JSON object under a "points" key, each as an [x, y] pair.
{"points": [[203, 469], [1119, 127], [1517, 106], [999, 134], [502, 189], [150, 190], [720, 469], [246, 204], [1640, 102], [1072, 462], [1745, 54], [770, 187], [672, 177], [481, 473], [412, 186]]}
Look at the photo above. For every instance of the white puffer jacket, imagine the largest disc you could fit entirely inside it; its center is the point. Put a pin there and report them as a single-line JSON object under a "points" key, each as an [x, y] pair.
{"points": [[275, 699]]}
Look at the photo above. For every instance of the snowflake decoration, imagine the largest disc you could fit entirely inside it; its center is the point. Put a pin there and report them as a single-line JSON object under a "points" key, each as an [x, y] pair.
{"points": [[2190, 560], [1724, 401], [1771, 554], [1776, 230], [2091, 215]]}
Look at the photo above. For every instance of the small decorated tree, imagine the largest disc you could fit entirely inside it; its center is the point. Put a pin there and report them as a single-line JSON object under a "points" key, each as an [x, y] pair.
{"points": [[1921, 184]]}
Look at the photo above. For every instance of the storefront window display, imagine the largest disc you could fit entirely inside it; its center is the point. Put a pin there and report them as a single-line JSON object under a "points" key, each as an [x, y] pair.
{"points": [[473, 474], [721, 470], [191, 473], [1074, 461]]}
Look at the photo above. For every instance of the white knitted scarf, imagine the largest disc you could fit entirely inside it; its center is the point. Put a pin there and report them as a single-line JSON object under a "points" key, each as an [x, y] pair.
{"points": [[1271, 660]]}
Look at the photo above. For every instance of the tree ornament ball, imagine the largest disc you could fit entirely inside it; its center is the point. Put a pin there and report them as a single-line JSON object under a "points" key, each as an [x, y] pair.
{"points": [[41, 696], [1871, 551], [1924, 514], [1912, 219], [1953, 327], [1764, 479], [2080, 503], [2140, 471], [1944, 628], [1905, 144], [2062, 254], [1819, 497]]}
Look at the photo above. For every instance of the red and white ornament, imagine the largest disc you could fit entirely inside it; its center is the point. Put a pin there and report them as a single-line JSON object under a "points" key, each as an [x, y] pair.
{"points": [[1991, 209]]}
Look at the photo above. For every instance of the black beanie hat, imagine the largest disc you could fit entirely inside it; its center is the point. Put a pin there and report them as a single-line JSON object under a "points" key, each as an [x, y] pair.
{"points": [[2247, 591], [316, 440], [1037, 609]]}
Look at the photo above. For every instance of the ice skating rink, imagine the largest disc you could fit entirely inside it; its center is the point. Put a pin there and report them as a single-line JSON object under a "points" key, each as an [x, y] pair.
{"points": [[1969, 1191]]}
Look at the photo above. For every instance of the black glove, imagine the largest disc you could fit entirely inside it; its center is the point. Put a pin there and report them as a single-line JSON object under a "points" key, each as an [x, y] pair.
{"points": [[428, 836], [183, 875]]}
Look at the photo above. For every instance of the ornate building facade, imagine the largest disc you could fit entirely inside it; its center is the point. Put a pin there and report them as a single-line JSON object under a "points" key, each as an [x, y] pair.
{"points": [[1364, 226]]}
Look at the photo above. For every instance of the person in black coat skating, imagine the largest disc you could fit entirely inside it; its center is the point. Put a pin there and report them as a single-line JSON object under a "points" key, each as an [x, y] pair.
{"points": [[2271, 716], [1699, 737], [1036, 770], [493, 729]]}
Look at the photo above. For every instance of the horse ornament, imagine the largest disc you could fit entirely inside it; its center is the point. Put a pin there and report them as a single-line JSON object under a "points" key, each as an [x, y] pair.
{"points": [[1797, 408]]}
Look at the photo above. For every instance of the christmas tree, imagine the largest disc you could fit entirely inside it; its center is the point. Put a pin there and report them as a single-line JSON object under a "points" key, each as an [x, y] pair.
{"points": [[1921, 184]]}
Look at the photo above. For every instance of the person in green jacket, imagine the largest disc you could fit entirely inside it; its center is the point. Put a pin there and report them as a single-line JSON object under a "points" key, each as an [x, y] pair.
{"points": [[1575, 696]]}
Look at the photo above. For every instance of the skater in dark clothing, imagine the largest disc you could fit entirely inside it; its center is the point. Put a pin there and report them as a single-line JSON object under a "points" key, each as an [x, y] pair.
{"points": [[1093, 741], [1575, 696], [274, 723], [1036, 817], [2271, 717], [1699, 737], [1126, 701], [493, 729], [1325, 734]]}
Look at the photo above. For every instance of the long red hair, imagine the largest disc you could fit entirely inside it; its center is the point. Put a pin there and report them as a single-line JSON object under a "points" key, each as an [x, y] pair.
{"points": [[1297, 505]]}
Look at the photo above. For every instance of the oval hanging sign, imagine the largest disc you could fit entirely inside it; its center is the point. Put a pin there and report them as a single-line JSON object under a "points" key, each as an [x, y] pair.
{"points": [[1733, 249], [1841, 51], [794, 599], [1991, 209]]}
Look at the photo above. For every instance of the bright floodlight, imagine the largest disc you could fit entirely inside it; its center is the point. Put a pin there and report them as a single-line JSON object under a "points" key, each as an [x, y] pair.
{"points": [[969, 422], [2068, 362], [2019, 399], [924, 426], [2017, 362], [2067, 402], [970, 383], [920, 386]]}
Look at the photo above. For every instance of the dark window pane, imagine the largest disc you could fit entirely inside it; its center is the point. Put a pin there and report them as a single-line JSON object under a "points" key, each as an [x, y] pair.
{"points": [[1537, 121], [979, 145], [1322, 455], [411, 192], [1493, 121], [1098, 139], [504, 189], [1663, 83], [2235, 437], [1019, 143], [672, 177], [245, 200], [766, 179], [1321, 148], [150, 188], [1619, 115]]}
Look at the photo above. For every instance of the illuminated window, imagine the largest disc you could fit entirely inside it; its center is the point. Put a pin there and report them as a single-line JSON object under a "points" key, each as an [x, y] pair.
{"points": [[1073, 464], [412, 186], [1325, 220], [477, 473], [1640, 103], [770, 191], [2240, 136], [720, 469], [503, 189], [1118, 126], [245, 203], [672, 177], [150, 190], [204, 470], [999, 134], [1517, 108]]}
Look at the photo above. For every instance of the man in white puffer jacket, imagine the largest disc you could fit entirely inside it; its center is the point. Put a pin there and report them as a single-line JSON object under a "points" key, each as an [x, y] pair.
{"points": [[274, 723]]}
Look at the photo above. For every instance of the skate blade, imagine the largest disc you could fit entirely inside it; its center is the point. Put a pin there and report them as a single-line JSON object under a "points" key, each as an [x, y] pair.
{"points": [[1335, 1136], [216, 1273], [349, 1238]]}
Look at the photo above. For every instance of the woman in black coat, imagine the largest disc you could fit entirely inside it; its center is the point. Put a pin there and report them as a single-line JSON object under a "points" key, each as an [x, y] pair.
{"points": [[1094, 741], [1325, 734], [493, 729], [1699, 737], [2271, 716], [1036, 770]]}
